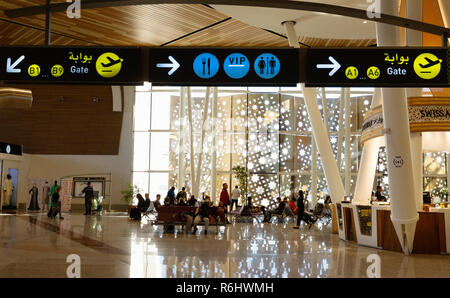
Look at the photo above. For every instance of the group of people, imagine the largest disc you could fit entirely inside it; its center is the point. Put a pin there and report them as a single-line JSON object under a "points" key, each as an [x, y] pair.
{"points": [[295, 207]]}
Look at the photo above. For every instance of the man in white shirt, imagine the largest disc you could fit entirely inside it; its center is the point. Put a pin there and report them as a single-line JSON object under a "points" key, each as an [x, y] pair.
{"points": [[235, 195]]}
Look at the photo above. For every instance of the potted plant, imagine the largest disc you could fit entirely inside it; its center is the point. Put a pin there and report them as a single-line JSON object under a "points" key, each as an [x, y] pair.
{"points": [[241, 175], [128, 195]]}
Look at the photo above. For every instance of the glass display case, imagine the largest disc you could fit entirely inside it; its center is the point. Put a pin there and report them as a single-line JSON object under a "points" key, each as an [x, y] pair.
{"points": [[365, 220]]}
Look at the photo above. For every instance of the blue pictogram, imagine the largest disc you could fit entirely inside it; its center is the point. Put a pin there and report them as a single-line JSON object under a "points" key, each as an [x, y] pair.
{"points": [[267, 66], [236, 66], [206, 65]]}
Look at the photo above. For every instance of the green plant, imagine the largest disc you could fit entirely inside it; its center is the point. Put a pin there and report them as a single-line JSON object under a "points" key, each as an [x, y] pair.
{"points": [[129, 193], [241, 175]]}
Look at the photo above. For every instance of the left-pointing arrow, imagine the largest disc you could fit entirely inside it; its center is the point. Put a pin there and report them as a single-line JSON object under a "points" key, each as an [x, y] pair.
{"points": [[11, 68], [174, 65]]}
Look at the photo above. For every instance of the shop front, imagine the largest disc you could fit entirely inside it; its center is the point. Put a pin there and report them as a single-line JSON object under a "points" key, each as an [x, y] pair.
{"points": [[367, 221]]}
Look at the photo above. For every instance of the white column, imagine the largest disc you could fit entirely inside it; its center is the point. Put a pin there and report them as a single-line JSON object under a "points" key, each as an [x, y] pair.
{"points": [[181, 139], [213, 145], [325, 109], [191, 140], [347, 142], [319, 133], [444, 6], [323, 145], [313, 172], [404, 215], [368, 164], [340, 130], [414, 38], [200, 157]]}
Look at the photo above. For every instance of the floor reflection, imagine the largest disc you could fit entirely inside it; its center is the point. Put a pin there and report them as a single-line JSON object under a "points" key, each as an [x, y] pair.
{"points": [[114, 246]]}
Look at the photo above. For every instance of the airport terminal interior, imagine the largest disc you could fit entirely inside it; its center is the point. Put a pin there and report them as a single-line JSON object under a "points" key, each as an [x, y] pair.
{"points": [[285, 139]]}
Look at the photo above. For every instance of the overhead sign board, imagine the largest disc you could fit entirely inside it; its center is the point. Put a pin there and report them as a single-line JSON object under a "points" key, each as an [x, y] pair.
{"points": [[71, 65], [12, 149], [223, 67], [333, 67], [377, 67]]}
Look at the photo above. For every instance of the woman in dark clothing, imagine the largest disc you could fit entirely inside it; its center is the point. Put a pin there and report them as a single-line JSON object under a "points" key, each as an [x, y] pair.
{"points": [[34, 204], [56, 204], [301, 215]]}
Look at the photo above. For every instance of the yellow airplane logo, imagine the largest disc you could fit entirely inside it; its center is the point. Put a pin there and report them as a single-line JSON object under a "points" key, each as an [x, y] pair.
{"points": [[108, 65], [427, 66]]}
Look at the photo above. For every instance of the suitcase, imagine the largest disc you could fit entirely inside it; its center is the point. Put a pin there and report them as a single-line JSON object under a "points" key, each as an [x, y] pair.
{"points": [[52, 212], [135, 214]]}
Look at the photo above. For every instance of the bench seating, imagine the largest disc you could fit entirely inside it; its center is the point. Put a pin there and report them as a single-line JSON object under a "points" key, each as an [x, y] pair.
{"points": [[172, 215]]}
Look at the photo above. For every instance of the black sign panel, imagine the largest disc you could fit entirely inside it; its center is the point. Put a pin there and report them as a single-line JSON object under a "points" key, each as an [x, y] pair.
{"points": [[12, 149], [223, 67], [377, 67], [71, 65]]}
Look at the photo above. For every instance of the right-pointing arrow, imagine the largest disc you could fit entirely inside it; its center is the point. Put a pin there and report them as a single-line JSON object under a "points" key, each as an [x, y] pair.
{"points": [[335, 66], [11, 68], [174, 65]]}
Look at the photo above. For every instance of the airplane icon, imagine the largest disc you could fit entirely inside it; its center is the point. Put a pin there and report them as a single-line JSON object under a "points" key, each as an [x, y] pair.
{"points": [[112, 62], [430, 63]]}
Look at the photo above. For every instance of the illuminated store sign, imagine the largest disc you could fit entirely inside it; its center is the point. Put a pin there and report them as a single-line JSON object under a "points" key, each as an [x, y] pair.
{"points": [[377, 67], [71, 65]]}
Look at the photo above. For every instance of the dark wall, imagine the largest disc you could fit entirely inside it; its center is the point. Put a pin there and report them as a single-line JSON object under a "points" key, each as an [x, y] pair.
{"points": [[74, 125]]}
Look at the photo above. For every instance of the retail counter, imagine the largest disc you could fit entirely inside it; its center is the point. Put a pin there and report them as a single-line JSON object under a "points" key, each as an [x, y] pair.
{"points": [[370, 225]]}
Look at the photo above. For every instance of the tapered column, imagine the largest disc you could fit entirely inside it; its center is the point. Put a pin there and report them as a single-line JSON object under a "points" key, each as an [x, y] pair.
{"points": [[213, 145], [398, 144], [368, 164], [340, 130], [200, 157], [181, 173], [313, 172], [323, 145], [414, 38], [319, 132], [347, 143], [191, 140]]}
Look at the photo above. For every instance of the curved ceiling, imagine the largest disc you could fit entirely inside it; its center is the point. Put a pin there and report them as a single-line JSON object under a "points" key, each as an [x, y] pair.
{"points": [[308, 24]]}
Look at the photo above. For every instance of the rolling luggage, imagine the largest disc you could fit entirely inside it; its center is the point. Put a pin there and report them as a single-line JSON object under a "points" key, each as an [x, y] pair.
{"points": [[135, 214]]}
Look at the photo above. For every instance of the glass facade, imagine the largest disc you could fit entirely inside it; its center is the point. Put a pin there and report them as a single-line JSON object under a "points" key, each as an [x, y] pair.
{"points": [[265, 130]]}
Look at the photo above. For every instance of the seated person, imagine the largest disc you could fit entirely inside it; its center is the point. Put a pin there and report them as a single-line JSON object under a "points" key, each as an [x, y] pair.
{"points": [[192, 201], [380, 197], [287, 209], [182, 202], [157, 203], [278, 210], [200, 213], [167, 201]]}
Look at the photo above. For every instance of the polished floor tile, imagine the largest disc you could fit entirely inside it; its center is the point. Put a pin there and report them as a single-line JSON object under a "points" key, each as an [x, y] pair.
{"points": [[31, 245]]}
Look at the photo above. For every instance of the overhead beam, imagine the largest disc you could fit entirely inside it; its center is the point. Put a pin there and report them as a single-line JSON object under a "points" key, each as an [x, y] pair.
{"points": [[285, 4]]}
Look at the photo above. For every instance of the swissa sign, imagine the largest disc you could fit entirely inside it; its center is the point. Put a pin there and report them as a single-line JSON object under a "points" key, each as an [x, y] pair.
{"points": [[75, 65], [377, 67], [223, 67]]}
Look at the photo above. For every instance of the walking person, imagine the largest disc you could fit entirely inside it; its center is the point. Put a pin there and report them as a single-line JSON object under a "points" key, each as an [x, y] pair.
{"points": [[225, 199], [301, 211], [46, 196], [88, 195], [53, 189], [55, 208], [235, 195], [171, 195]]}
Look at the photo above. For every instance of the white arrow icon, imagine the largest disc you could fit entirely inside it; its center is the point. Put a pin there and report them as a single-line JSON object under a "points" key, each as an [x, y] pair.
{"points": [[11, 68], [174, 65], [335, 66]]}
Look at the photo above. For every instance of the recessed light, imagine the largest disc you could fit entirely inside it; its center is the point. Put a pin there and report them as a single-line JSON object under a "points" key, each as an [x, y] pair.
{"points": [[365, 22]]}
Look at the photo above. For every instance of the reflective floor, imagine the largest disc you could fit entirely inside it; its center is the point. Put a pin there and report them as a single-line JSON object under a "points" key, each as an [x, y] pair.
{"points": [[112, 246]]}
